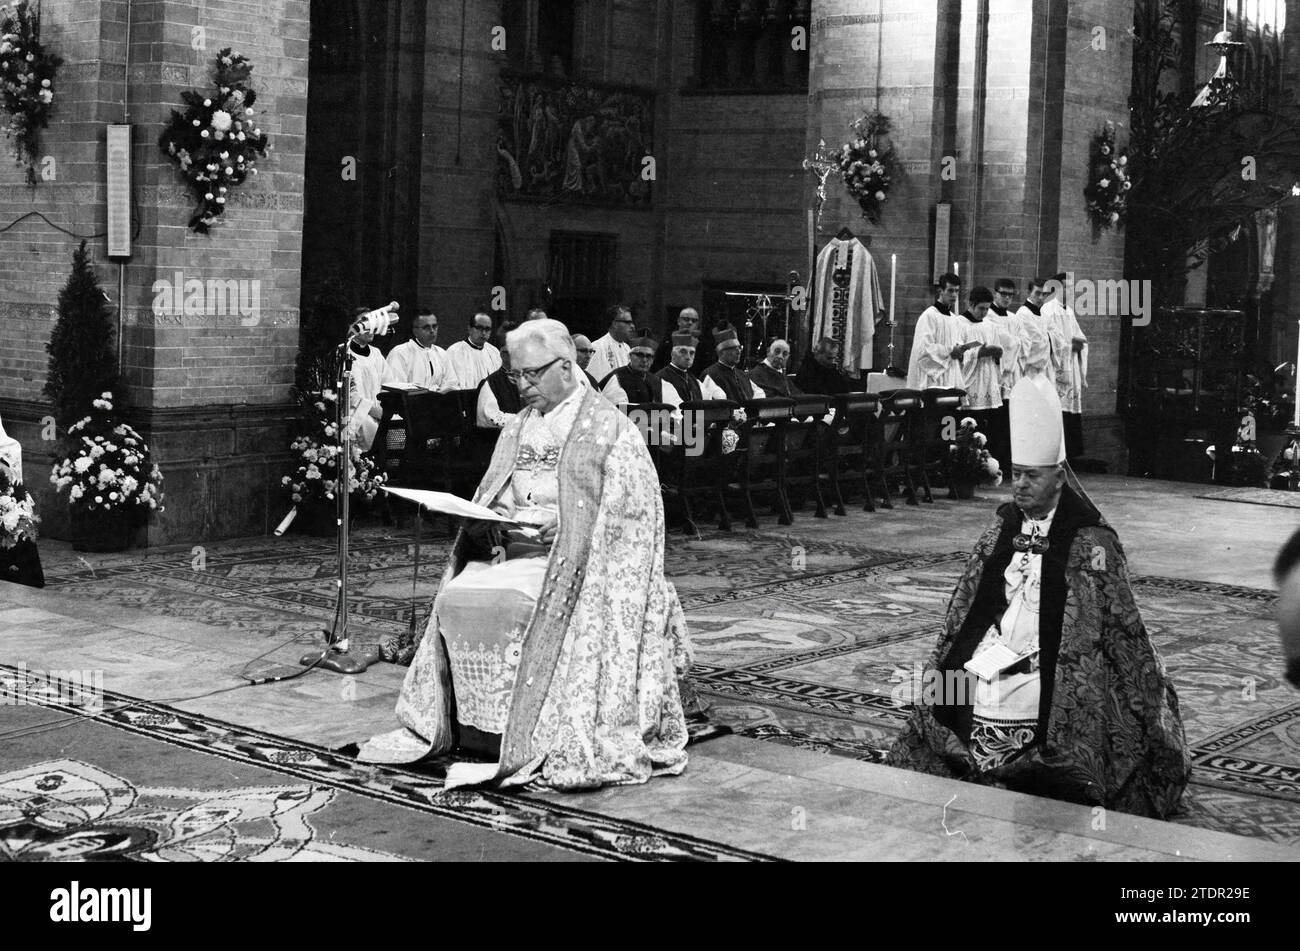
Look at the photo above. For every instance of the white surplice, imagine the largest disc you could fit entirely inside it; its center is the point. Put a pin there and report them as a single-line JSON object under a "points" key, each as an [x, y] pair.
{"points": [[426, 367], [472, 365], [981, 376], [1070, 369], [931, 364]]}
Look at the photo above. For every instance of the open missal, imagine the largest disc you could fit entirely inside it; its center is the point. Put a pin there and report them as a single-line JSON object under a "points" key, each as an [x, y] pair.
{"points": [[449, 504]]}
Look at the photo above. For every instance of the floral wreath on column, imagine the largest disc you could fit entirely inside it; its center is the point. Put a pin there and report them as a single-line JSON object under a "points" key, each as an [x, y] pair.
{"points": [[1108, 181], [215, 143], [868, 164], [26, 81]]}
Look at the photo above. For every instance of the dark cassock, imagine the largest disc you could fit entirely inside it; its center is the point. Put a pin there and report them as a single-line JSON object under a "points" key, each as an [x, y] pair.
{"points": [[631, 383], [498, 400], [674, 385], [727, 381], [1044, 680], [815, 377], [774, 382]]}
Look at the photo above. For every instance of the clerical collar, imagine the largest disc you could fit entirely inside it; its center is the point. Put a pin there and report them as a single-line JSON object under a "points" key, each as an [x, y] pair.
{"points": [[1000, 311], [971, 317], [1034, 308], [360, 349], [476, 346], [768, 364], [943, 308]]}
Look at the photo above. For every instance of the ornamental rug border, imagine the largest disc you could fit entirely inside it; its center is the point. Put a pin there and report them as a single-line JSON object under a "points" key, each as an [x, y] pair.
{"points": [[1215, 762], [540, 819]]}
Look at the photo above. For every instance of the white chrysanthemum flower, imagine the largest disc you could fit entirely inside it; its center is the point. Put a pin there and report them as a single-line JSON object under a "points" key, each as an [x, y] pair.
{"points": [[221, 120]]}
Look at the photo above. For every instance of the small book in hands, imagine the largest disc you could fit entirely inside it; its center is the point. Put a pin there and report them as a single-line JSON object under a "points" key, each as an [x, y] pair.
{"points": [[993, 660]]}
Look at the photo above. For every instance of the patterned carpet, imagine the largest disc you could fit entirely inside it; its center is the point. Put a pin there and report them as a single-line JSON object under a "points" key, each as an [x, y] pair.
{"points": [[1286, 500], [798, 642]]}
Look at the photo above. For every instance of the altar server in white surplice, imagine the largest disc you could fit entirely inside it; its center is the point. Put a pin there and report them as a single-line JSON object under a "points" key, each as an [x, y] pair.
{"points": [[847, 302], [938, 348], [420, 361], [475, 359], [369, 374], [1070, 362], [1035, 342]]}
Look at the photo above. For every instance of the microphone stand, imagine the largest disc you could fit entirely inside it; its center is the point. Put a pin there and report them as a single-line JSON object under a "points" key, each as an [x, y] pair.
{"points": [[337, 654]]}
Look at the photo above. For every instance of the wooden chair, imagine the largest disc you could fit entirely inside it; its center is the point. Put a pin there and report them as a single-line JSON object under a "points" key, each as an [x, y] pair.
{"points": [[806, 451], [901, 452], [940, 406], [436, 435], [698, 469], [760, 462], [855, 446]]}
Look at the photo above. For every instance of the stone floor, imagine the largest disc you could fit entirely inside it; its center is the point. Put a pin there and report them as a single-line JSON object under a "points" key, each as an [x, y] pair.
{"points": [[800, 633]]}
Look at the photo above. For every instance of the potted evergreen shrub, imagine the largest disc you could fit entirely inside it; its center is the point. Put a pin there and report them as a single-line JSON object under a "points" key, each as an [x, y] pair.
{"points": [[111, 483]]}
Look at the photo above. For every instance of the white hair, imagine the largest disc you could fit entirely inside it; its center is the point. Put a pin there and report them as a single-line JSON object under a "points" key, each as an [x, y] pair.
{"points": [[549, 334]]}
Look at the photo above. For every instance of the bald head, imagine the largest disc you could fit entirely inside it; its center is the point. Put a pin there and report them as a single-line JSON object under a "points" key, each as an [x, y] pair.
{"points": [[778, 354], [688, 320], [583, 348]]}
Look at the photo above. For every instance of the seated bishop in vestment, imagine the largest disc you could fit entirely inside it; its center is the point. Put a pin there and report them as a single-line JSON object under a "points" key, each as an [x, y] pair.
{"points": [[560, 651], [1045, 680]]}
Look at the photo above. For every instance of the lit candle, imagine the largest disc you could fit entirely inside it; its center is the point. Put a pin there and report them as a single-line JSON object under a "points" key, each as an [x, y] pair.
{"points": [[956, 268], [893, 282]]}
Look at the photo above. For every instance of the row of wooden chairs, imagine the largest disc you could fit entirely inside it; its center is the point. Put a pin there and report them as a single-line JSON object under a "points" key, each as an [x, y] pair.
{"points": [[785, 454]]}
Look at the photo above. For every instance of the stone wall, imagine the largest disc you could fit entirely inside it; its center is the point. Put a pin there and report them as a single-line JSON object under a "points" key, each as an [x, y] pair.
{"points": [[210, 393]]}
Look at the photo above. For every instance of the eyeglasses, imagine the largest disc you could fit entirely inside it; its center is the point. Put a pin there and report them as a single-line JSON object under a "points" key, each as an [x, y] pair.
{"points": [[534, 374], [482, 330], [586, 349]]}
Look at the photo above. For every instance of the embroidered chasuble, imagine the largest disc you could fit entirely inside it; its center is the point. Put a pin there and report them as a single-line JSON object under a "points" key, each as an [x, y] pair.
{"points": [[571, 653], [847, 301]]}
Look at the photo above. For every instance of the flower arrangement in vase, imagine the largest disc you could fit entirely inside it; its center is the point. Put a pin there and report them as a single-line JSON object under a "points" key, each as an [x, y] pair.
{"points": [[969, 463], [19, 561], [312, 486], [111, 482]]}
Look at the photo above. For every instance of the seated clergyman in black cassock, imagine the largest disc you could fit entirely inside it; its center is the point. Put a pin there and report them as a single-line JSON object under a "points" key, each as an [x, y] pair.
{"points": [[631, 384], [725, 380], [770, 375], [819, 374], [1045, 680]]}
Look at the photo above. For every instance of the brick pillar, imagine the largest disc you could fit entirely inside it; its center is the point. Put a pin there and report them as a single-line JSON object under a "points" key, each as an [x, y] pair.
{"points": [[211, 392]]}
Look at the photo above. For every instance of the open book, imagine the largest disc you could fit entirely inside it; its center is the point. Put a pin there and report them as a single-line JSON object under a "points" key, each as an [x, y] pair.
{"points": [[990, 662], [449, 504]]}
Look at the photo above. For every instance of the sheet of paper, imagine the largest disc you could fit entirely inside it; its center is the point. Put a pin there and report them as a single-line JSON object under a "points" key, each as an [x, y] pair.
{"points": [[400, 386], [448, 504]]}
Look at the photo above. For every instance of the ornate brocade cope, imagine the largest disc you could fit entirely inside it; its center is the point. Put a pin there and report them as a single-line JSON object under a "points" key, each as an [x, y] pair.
{"points": [[1108, 730]]}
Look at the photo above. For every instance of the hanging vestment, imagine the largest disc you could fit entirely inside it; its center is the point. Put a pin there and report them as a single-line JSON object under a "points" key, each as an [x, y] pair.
{"points": [[846, 301]]}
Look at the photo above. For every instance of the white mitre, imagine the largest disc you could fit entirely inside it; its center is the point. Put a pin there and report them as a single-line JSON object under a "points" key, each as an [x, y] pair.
{"points": [[1037, 430]]}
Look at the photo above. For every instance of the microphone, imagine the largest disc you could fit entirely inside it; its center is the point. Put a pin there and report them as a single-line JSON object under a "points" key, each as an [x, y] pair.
{"points": [[377, 322]]}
